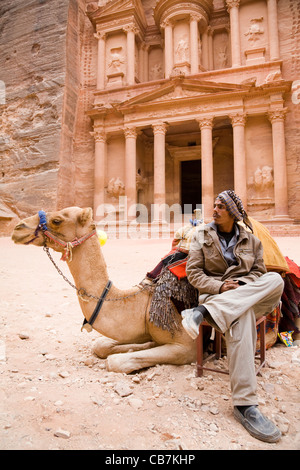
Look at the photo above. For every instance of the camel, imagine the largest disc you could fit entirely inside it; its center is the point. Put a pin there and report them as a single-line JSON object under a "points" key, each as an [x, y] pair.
{"points": [[128, 340]]}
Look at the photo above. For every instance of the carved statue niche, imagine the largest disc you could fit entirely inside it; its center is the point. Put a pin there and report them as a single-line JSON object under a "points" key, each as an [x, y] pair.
{"points": [[255, 29], [261, 183], [115, 188], [116, 60], [182, 51], [140, 181]]}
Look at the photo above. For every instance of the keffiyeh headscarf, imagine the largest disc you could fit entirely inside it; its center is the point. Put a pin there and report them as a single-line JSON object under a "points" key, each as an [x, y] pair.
{"points": [[235, 207]]}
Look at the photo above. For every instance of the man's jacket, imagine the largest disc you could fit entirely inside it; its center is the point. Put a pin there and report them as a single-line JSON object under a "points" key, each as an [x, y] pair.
{"points": [[207, 268]]}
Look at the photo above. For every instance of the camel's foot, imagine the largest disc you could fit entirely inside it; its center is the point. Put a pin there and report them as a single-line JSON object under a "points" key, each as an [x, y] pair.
{"points": [[165, 354], [104, 347]]}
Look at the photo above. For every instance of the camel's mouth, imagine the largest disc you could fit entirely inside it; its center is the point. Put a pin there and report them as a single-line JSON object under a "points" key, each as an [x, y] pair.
{"points": [[23, 235], [22, 239]]}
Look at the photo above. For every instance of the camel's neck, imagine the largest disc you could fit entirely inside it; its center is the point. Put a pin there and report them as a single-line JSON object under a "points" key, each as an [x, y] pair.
{"points": [[89, 272], [88, 268]]}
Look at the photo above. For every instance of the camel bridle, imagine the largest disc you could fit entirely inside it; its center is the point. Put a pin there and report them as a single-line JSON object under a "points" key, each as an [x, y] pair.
{"points": [[68, 246]]}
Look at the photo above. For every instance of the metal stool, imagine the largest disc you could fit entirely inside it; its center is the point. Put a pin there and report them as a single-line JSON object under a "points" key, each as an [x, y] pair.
{"points": [[218, 343]]}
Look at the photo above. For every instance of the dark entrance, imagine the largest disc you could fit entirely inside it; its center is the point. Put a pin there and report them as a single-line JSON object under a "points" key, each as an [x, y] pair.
{"points": [[190, 183]]}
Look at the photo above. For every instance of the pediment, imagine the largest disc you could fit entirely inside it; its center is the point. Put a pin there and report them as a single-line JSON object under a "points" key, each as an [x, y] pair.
{"points": [[116, 8], [181, 89]]}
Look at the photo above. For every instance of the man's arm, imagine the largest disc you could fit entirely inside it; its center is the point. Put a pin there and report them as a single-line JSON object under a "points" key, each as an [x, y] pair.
{"points": [[258, 267], [195, 270]]}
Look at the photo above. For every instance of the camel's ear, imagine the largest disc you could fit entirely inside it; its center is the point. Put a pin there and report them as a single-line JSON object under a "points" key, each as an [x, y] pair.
{"points": [[86, 214]]}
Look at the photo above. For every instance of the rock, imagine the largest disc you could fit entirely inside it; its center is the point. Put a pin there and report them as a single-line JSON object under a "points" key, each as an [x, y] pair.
{"points": [[23, 335], [123, 389], [269, 388], [33, 69], [282, 422], [213, 427], [62, 433], [64, 374], [136, 403], [50, 357]]}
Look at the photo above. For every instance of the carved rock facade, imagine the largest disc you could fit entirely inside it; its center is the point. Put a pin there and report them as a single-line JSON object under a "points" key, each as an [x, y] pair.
{"points": [[162, 94]]}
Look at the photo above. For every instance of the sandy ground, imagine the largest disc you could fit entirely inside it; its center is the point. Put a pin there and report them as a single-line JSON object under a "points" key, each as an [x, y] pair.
{"points": [[54, 394]]}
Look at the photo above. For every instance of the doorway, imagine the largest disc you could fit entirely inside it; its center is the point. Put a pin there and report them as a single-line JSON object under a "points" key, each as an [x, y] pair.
{"points": [[190, 184]]}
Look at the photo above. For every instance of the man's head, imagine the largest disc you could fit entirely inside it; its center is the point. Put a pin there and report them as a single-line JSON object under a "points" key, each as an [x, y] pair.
{"points": [[229, 209], [222, 216]]}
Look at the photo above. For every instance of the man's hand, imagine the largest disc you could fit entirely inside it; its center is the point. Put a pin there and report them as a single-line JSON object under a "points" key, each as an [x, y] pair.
{"points": [[228, 285]]}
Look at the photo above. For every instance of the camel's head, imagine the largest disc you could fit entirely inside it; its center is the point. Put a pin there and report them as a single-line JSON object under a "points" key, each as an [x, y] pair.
{"points": [[66, 225]]}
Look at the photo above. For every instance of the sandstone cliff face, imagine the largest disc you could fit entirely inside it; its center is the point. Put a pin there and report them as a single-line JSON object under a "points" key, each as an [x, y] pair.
{"points": [[289, 34], [32, 68]]}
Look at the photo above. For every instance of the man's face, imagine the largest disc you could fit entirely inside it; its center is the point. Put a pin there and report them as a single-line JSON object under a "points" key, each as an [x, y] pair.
{"points": [[221, 215]]}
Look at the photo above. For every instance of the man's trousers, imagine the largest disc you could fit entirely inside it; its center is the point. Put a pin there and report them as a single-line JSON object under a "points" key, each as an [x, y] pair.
{"points": [[235, 312]]}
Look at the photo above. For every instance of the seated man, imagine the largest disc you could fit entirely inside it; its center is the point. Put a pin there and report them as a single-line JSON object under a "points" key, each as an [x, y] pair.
{"points": [[225, 265]]}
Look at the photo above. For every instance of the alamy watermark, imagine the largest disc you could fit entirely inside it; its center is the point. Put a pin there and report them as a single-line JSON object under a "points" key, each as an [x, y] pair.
{"points": [[140, 221]]}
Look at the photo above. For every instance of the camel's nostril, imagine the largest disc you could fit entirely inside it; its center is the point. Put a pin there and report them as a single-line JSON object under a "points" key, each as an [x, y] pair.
{"points": [[20, 226]]}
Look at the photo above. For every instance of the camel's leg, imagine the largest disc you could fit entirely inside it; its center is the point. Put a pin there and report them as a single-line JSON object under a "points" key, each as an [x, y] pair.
{"points": [[166, 354], [106, 346]]}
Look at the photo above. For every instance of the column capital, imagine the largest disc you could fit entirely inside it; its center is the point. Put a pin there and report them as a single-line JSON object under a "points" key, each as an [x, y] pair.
{"points": [[159, 128], [130, 28], [99, 135], [166, 23], [277, 115], [205, 122], [195, 17], [209, 30], [129, 132], [238, 119], [100, 35], [232, 3]]}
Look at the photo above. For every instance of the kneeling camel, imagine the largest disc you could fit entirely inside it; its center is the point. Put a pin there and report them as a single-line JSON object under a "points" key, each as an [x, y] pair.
{"points": [[128, 339]]}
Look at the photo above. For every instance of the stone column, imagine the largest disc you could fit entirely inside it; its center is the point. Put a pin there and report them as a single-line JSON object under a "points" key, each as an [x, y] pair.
{"points": [[146, 63], [205, 55], [273, 29], [239, 156], [277, 118], [159, 131], [169, 54], [141, 62], [207, 169], [194, 44], [210, 48], [130, 165], [130, 31], [99, 171], [101, 59], [233, 9]]}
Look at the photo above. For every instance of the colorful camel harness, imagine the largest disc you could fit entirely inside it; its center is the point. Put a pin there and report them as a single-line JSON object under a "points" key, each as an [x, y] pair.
{"points": [[67, 256]]}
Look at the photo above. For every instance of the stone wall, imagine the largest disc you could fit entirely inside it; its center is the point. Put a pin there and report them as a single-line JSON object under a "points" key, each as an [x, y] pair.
{"points": [[76, 162], [32, 67], [289, 34]]}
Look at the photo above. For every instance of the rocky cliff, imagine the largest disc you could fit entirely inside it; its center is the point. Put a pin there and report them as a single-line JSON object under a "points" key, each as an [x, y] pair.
{"points": [[32, 68]]}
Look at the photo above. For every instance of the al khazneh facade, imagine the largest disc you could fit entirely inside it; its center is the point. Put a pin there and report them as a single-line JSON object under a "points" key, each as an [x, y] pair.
{"points": [[191, 99]]}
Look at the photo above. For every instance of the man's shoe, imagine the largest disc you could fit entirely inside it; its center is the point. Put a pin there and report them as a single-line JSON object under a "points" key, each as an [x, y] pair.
{"points": [[192, 319], [257, 424]]}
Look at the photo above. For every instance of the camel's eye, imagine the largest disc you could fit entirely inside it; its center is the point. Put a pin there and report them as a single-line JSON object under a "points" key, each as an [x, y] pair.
{"points": [[56, 222]]}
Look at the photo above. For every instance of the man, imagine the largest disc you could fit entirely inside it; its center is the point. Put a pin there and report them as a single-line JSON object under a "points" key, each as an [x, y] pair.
{"points": [[226, 265]]}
